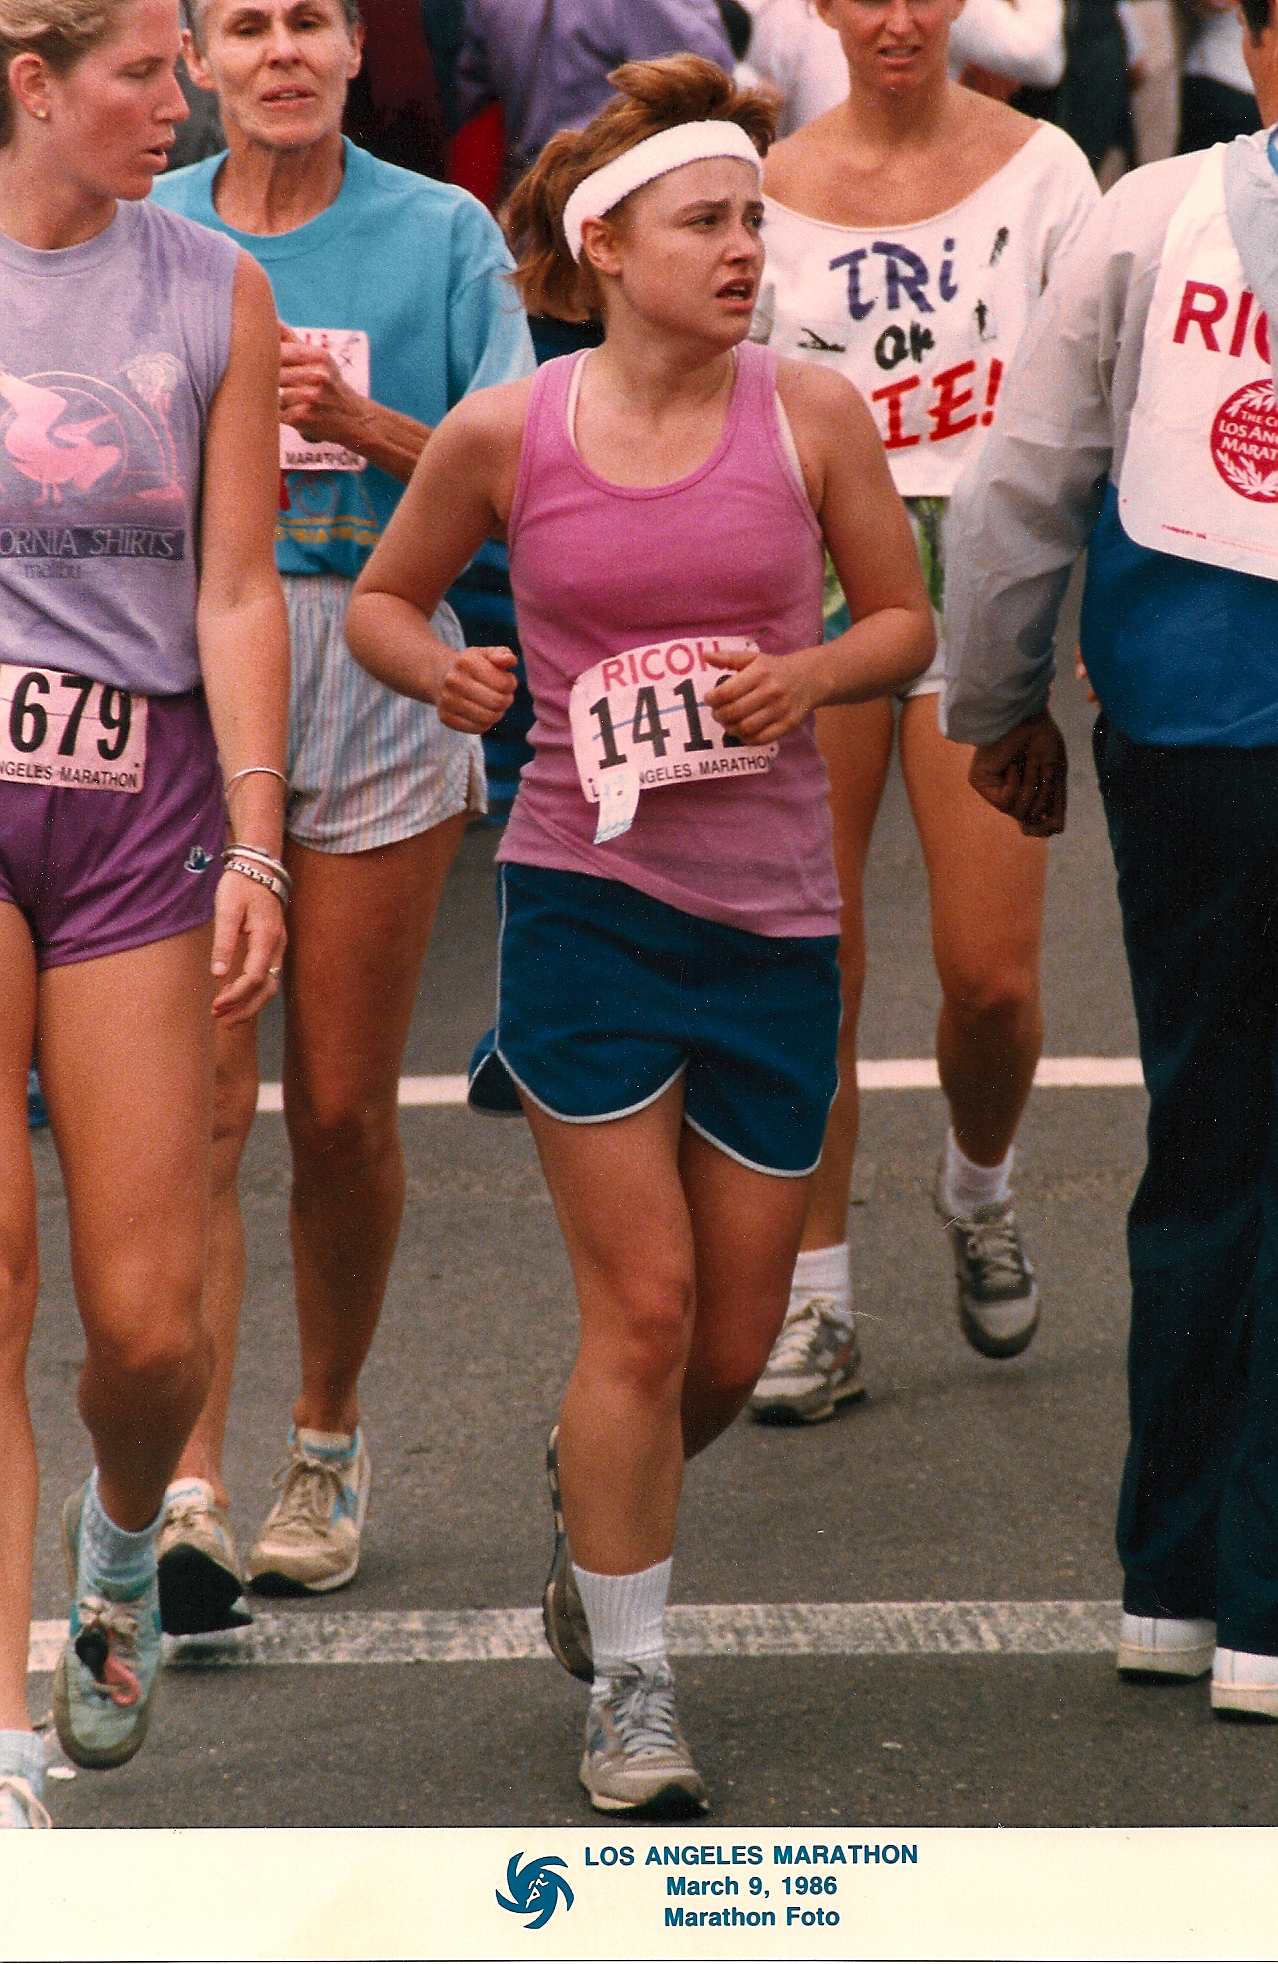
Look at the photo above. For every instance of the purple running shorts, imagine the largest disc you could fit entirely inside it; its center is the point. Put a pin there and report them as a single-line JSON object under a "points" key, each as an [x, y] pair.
{"points": [[96, 872]]}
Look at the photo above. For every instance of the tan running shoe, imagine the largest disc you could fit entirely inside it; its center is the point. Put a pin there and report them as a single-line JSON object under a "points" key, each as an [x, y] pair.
{"points": [[201, 1582], [310, 1539], [636, 1759]]}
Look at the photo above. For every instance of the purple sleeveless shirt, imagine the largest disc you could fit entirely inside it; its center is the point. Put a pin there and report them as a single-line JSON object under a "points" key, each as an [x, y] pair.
{"points": [[599, 568], [110, 355]]}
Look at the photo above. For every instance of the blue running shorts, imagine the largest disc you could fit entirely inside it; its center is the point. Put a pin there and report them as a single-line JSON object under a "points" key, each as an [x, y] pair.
{"points": [[605, 996]]}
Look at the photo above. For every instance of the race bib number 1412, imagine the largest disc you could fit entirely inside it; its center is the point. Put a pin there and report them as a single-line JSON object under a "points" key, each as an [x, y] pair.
{"points": [[640, 723]]}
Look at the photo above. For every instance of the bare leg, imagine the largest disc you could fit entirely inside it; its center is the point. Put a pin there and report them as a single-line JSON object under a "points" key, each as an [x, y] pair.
{"points": [[234, 1106], [620, 1438], [126, 1063], [676, 1320], [745, 1228], [19, 1280], [987, 885], [359, 926], [856, 742]]}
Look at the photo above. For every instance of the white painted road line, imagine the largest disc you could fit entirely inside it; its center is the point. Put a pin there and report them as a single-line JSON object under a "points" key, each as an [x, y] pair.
{"points": [[872, 1074], [485, 1636]]}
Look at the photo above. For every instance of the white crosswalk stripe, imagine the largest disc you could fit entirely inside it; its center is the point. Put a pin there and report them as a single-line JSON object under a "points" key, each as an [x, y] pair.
{"points": [[478, 1636], [872, 1074]]}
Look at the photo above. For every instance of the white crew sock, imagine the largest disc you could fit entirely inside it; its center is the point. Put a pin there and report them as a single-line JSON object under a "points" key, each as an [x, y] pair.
{"points": [[626, 1614], [22, 1757], [967, 1187], [110, 1553], [824, 1272]]}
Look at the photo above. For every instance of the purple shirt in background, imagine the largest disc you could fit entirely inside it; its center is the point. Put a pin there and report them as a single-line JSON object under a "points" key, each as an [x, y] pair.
{"points": [[585, 40]]}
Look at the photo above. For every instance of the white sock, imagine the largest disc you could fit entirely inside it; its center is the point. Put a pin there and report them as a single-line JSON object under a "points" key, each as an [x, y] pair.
{"points": [[626, 1614], [22, 1757], [111, 1553], [824, 1272], [967, 1187]]}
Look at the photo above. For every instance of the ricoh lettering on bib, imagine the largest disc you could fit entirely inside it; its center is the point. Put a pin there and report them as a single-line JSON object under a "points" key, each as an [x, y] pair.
{"points": [[924, 318], [1200, 473], [640, 723], [66, 733], [349, 348]]}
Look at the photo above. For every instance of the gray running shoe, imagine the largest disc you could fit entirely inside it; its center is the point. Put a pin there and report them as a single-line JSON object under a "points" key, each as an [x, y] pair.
{"points": [[997, 1293], [815, 1366], [562, 1611], [636, 1759], [201, 1583]]}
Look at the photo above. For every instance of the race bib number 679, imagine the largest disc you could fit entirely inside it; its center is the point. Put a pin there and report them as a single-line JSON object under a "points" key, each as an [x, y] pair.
{"points": [[640, 723], [66, 733]]}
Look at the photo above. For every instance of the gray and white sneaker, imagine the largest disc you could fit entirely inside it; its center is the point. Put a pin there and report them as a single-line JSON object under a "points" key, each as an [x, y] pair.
{"points": [[997, 1293], [563, 1613], [636, 1759], [815, 1366]]}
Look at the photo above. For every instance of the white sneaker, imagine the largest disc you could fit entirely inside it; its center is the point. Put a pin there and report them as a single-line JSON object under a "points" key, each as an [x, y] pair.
{"points": [[815, 1365], [1245, 1682], [1165, 1646], [997, 1293], [19, 1807], [310, 1539]]}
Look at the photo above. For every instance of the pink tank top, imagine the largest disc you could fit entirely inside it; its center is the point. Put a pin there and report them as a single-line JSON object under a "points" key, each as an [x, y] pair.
{"points": [[599, 568]]}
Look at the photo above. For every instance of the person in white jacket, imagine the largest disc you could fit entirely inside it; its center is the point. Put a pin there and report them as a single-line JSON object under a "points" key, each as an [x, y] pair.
{"points": [[1020, 41]]}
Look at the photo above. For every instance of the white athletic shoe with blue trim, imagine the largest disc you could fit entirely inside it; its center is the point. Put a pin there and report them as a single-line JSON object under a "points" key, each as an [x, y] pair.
{"points": [[310, 1539]]}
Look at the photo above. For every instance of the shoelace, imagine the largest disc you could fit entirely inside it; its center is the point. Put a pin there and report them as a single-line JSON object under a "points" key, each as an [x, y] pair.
{"points": [[188, 1511], [305, 1482], [994, 1246], [643, 1712], [36, 1812], [800, 1332], [102, 1620]]}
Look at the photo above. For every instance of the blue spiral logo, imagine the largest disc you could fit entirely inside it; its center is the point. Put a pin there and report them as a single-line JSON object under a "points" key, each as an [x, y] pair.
{"points": [[535, 1889]]}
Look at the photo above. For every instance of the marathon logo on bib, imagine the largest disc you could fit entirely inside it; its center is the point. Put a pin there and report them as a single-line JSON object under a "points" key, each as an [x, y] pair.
{"points": [[66, 733], [640, 722], [349, 348], [1202, 456]]}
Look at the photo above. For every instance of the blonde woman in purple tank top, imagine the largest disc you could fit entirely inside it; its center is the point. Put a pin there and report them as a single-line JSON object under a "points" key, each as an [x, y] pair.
{"points": [[668, 1003], [143, 643]]}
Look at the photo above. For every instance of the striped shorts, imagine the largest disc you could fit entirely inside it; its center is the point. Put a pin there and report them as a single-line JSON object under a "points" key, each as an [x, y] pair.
{"points": [[365, 766]]}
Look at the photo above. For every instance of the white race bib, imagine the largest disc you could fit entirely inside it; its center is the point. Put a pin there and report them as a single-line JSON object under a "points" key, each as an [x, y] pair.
{"points": [[1200, 474], [349, 348], [65, 733], [640, 723]]}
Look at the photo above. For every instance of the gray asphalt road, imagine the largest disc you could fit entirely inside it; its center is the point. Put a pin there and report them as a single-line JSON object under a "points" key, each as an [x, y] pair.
{"points": [[959, 1480]]}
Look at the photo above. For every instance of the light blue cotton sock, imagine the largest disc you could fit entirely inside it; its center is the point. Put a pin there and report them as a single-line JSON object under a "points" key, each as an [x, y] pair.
{"points": [[112, 1555]]}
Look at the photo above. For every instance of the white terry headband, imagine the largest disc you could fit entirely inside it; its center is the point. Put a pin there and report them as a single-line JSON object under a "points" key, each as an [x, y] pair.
{"points": [[686, 143]]}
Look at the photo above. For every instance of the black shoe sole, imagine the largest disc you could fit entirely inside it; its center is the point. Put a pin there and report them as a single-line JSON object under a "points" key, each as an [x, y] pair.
{"points": [[198, 1595], [997, 1347]]}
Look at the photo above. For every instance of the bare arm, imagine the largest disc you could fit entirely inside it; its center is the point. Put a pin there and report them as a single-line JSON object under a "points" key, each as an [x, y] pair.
{"points": [[323, 408], [892, 638], [459, 495], [243, 635]]}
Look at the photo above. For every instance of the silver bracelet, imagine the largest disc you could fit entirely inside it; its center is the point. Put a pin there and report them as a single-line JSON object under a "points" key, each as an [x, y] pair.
{"points": [[257, 770], [274, 866], [248, 872]]}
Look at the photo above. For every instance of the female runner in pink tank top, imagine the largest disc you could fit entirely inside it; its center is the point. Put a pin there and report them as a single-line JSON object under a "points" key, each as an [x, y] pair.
{"points": [[668, 1000]]}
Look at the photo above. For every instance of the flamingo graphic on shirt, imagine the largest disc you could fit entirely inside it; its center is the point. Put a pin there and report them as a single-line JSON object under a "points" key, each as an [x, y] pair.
{"points": [[48, 452]]}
